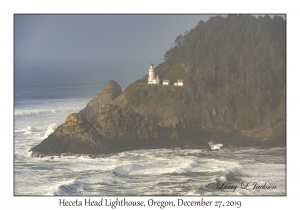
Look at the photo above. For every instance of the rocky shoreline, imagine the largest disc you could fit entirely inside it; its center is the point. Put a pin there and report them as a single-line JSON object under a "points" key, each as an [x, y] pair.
{"points": [[229, 141], [119, 150]]}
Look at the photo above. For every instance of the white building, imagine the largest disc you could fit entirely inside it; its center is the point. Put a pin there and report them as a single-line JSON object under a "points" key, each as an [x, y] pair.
{"points": [[175, 84], [166, 82], [180, 82], [151, 77]]}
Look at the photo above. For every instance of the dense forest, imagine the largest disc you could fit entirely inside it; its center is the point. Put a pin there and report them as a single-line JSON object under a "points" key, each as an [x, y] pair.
{"points": [[234, 72], [238, 52]]}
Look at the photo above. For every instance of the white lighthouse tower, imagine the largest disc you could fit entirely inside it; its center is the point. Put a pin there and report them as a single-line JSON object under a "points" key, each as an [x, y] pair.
{"points": [[151, 77]]}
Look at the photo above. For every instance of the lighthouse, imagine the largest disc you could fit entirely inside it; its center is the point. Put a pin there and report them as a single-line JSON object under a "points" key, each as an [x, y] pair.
{"points": [[151, 77]]}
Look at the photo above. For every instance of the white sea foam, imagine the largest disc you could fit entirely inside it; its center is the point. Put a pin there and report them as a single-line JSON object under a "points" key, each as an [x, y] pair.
{"points": [[69, 187], [28, 131], [98, 176], [215, 146], [222, 179], [50, 129], [54, 106], [20, 112]]}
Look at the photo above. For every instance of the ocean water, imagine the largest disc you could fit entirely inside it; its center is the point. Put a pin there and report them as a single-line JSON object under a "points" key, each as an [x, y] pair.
{"points": [[43, 101]]}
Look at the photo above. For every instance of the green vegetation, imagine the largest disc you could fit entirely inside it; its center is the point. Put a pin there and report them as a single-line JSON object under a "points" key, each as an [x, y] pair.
{"points": [[173, 73], [234, 72]]}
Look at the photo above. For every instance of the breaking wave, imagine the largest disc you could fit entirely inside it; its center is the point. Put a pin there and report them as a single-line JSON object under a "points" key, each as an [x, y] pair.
{"points": [[21, 112], [50, 129]]}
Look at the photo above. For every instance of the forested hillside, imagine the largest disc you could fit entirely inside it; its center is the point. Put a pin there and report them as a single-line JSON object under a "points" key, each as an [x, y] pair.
{"points": [[234, 71], [237, 51]]}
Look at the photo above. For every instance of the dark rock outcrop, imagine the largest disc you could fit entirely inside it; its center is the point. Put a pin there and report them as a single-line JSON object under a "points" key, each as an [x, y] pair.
{"points": [[110, 91], [112, 129], [76, 136], [123, 124], [179, 108]]}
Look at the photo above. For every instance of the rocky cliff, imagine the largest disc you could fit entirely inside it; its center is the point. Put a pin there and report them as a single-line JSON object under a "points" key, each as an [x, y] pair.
{"points": [[75, 136], [123, 124], [232, 121], [112, 128], [111, 91]]}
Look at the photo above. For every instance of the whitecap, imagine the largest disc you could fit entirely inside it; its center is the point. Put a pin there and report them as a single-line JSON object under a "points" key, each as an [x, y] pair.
{"points": [[222, 179], [65, 188], [50, 129], [215, 146]]}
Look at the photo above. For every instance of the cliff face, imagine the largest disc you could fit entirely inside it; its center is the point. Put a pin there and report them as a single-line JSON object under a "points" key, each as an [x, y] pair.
{"points": [[232, 121], [112, 128], [111, 91], [123, 124], [76, 136]]}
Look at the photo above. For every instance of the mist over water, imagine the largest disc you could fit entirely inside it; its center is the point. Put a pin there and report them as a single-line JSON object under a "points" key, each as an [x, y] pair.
{"points": [[43, 99], [74, 78]]}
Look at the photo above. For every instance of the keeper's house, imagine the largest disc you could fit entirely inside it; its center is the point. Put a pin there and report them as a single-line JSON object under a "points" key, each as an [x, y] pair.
{"points": [[180, 82], [166, 82]]}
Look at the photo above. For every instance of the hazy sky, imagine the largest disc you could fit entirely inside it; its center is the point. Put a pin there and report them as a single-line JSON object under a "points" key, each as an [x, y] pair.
{"points": [[118, 47], [40, 38]]}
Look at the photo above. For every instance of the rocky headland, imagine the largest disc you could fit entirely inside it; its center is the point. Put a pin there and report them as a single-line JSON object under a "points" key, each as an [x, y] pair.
{"points": [[109, 129], [123, 124], [234, 94]]}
